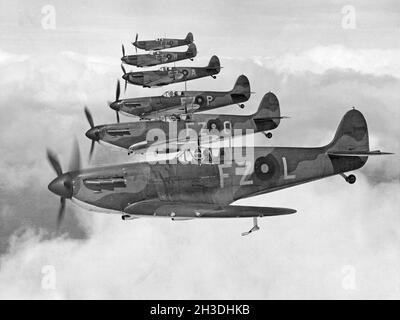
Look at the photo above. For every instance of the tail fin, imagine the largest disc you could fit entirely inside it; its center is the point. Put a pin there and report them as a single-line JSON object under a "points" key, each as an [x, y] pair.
{"points": [[189, 37], [349, 149], [214, 64], [268, 115], [351, 135], [241, 90], [192, 50]]}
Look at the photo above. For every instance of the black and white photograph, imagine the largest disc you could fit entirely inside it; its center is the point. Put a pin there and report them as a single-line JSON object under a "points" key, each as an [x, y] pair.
{"points": [[199, 150]]}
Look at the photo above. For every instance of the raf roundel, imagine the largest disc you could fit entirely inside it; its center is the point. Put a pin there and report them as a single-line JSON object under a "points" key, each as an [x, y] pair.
{"points": [[265, 167], [199, 100]]}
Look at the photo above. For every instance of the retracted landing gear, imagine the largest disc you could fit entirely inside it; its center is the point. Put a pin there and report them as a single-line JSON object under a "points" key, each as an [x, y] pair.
{"points": [[214, 77], [255, 227], [268, 135], [128, 217], [350, 179]]}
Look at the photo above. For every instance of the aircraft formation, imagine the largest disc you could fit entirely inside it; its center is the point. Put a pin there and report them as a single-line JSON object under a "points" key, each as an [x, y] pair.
{"points": [[207, 171]]}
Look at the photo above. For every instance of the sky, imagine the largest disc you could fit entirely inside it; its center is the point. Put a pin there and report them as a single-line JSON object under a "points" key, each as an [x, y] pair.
{"points": [[342, 243]]}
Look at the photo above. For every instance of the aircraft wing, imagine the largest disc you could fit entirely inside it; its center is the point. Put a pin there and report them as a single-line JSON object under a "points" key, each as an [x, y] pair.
{"points": [[175, 110], [157, 82], [179, 210]]}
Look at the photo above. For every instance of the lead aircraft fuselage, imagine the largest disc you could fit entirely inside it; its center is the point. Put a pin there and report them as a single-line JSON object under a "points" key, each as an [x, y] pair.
{"points": [[191, 189]]}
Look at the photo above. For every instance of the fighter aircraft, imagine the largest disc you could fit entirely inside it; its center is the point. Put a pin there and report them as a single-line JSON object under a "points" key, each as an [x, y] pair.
{"points": [[168, 75], [177, 102], [140, 135], [162, 43], [207, 190], [158, 57]]}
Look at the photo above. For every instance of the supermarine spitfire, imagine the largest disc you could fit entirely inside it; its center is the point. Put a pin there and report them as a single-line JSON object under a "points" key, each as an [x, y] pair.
{"points": [[140, 135], [158, 57], [168, 75], [207, 190], [202, 179], [162, 43], [178, 102]]}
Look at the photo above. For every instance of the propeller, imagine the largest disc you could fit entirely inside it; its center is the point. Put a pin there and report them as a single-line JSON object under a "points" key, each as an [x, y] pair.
{"points": [[62, 185], [117, 93], [115, 105], [136, 38], [123, 51], [92, 133], [124, 77]]}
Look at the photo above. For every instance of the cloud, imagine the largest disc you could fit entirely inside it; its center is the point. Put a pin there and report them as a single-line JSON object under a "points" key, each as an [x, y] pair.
{"points": [[102, 257], [305, 255], [10, 58], [321, 59]]}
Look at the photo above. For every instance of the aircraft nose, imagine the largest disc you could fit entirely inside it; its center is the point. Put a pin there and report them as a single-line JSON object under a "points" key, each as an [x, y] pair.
{"points": [[93, 134], [62, 186], [115, 106], [125, 76]]}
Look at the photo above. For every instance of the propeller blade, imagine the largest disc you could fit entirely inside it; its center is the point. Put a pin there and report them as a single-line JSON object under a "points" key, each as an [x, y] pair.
{"points": [[123, 69], [136, 41], [118, 91], [75, 161], [61, 212], [89, 117], [117, 115], [54, 162], [91, 149], [126, 83], [123, 51]]}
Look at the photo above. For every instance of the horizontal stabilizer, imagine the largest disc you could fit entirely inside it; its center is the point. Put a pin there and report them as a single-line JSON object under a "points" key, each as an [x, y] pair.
{"points": [[349, 153], [201, 210]]}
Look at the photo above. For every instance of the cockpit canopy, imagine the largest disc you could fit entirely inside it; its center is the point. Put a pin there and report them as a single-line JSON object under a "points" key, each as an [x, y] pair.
{"points": [[166, 69], [171, 93]]}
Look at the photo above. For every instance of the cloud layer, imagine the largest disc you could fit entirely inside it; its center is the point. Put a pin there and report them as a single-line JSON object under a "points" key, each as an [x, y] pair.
{"points": [[301, 256]]}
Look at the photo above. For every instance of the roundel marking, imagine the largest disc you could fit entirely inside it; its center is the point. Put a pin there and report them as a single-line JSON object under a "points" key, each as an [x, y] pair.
{"points": [[265, 167], [199, 100], [214, 124], [185, 72]]}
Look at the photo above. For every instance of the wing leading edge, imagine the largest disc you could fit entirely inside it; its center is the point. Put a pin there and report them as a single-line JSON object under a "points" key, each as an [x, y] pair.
{"points": [[200, 210]]}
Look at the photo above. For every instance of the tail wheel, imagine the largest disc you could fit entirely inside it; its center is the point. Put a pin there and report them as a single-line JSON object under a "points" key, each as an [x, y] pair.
{"points": [[351, 179]]}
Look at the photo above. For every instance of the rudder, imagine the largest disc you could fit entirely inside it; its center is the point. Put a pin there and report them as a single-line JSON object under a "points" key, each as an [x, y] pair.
{"points": [[241, 88], [351, 134], [214, 63], [192, 50], [189, 38], [268, 115]]}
